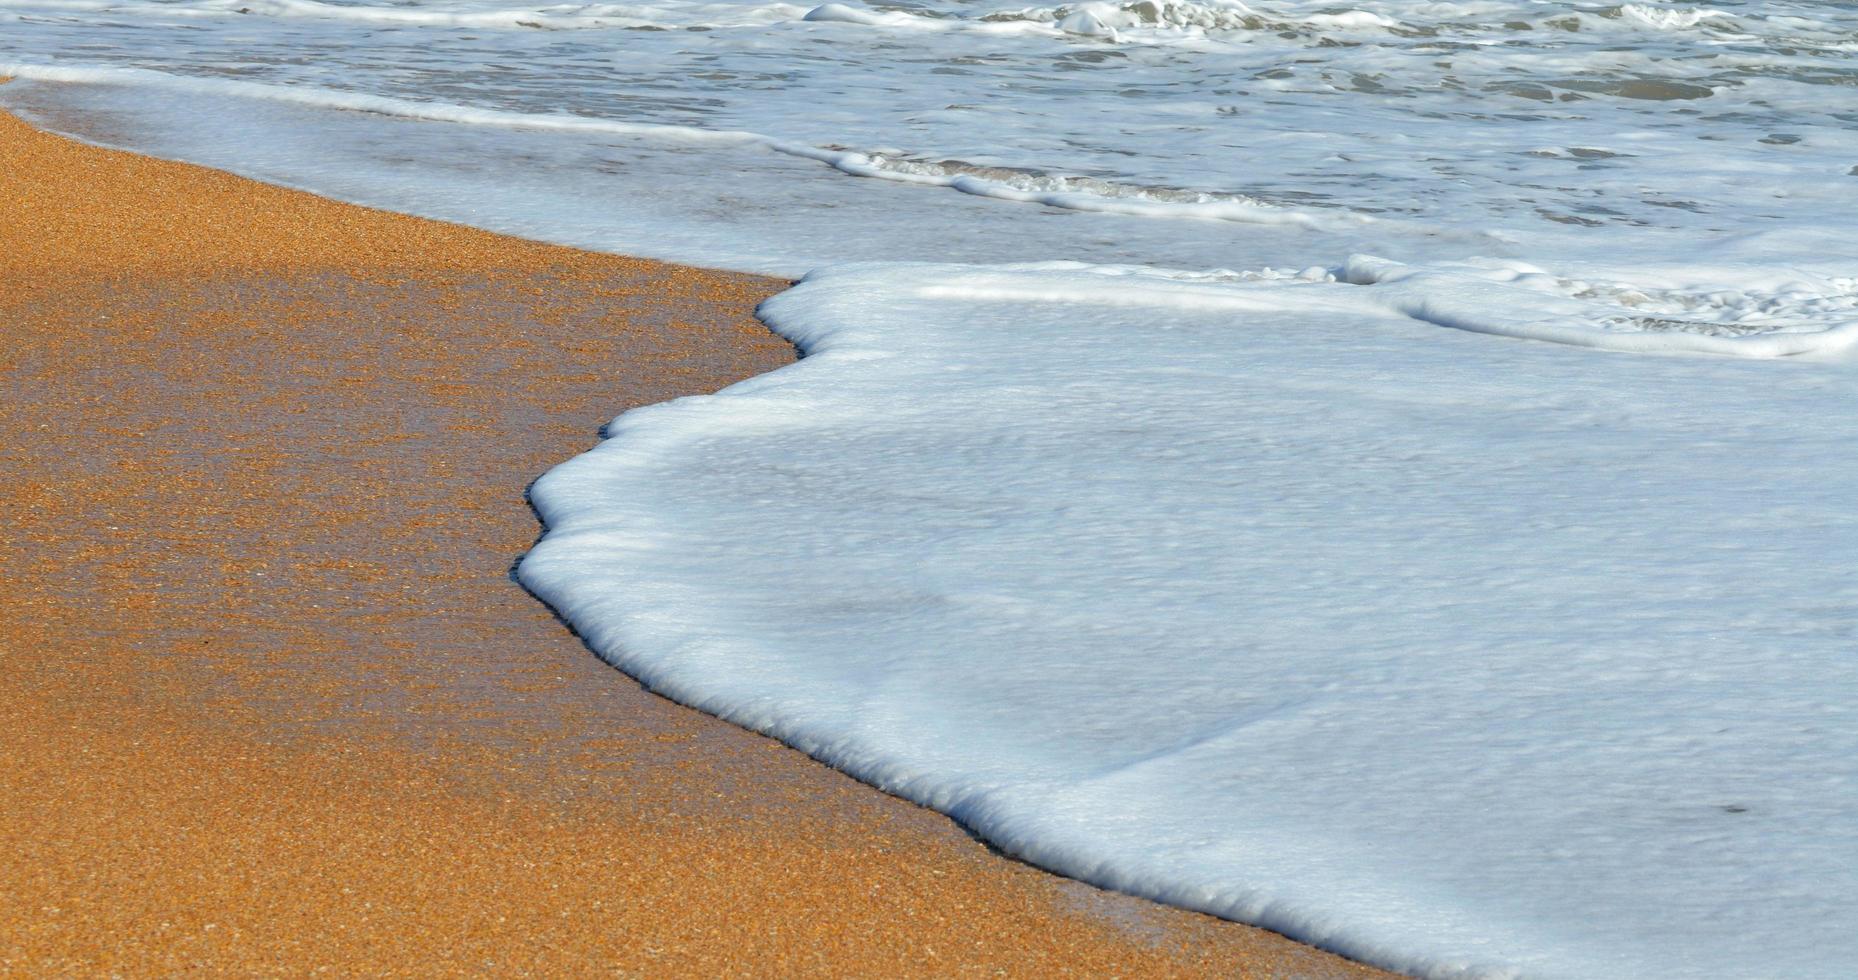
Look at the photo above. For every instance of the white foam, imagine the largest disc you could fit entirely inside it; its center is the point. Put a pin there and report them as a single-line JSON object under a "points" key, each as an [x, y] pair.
{"points": [[843, 14], [1461, 656], [1517, 300], [1668, 18], [1090, 194]]}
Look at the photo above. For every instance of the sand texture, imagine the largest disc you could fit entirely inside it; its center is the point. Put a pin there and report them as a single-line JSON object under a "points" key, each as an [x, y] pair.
{"points": [[269, 699]]}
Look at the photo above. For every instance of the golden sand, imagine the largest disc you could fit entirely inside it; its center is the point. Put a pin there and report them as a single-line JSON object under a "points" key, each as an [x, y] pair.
{"points": [[269, 700]]}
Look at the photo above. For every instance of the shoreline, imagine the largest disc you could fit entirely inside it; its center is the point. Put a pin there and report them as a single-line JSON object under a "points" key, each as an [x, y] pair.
{"points": [[274, 701]]}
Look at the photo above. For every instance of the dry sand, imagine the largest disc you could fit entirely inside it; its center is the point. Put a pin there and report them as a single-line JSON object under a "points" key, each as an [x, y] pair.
{"points": [[269, 700]]}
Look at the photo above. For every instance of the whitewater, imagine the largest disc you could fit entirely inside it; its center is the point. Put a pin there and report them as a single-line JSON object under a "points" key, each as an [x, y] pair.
{"points": [[1377, 471]]}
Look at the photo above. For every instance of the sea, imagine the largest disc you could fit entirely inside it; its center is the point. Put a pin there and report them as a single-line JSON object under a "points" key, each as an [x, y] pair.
{"points": [[1383, 471]]}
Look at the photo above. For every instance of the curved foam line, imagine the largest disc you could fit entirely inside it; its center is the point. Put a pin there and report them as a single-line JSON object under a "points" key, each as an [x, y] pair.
{"points": [[1481, 303]]}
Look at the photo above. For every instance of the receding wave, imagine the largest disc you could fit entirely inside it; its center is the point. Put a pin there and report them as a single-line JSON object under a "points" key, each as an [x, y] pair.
{"points": [[1072, 193]]}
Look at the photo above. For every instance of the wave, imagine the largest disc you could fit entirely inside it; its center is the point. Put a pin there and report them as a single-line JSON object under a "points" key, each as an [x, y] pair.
{"points": [[1090, 19], [1671, 18], [1245, 598], [1070, 193], [1076, 193], [1126, 22], [1111, 20], [1513, 299]]}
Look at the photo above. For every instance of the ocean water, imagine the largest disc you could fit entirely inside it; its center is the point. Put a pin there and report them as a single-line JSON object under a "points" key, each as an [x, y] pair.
{"points": [[1380, 471]]}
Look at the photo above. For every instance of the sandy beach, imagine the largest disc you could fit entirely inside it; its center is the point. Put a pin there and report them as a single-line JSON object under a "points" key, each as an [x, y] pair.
{"points": [[271, 700]]}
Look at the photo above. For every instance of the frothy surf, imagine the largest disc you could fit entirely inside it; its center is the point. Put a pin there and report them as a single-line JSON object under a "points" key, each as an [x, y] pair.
{"points": [[1257, 595]]}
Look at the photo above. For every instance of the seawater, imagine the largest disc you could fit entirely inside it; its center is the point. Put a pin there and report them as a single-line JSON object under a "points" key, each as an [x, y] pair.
{"points": [[1289, 133], [1379, 470]]}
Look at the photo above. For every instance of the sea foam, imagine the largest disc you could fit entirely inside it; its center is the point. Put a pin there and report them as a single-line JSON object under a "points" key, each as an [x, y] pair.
{"points": [[1461, 655]]}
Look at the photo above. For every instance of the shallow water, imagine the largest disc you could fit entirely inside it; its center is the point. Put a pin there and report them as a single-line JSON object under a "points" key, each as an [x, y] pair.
{"points": [[1434, 130]]}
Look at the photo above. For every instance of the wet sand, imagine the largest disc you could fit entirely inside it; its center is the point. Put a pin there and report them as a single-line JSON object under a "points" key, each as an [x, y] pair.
{"points": [[269, 699]]}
